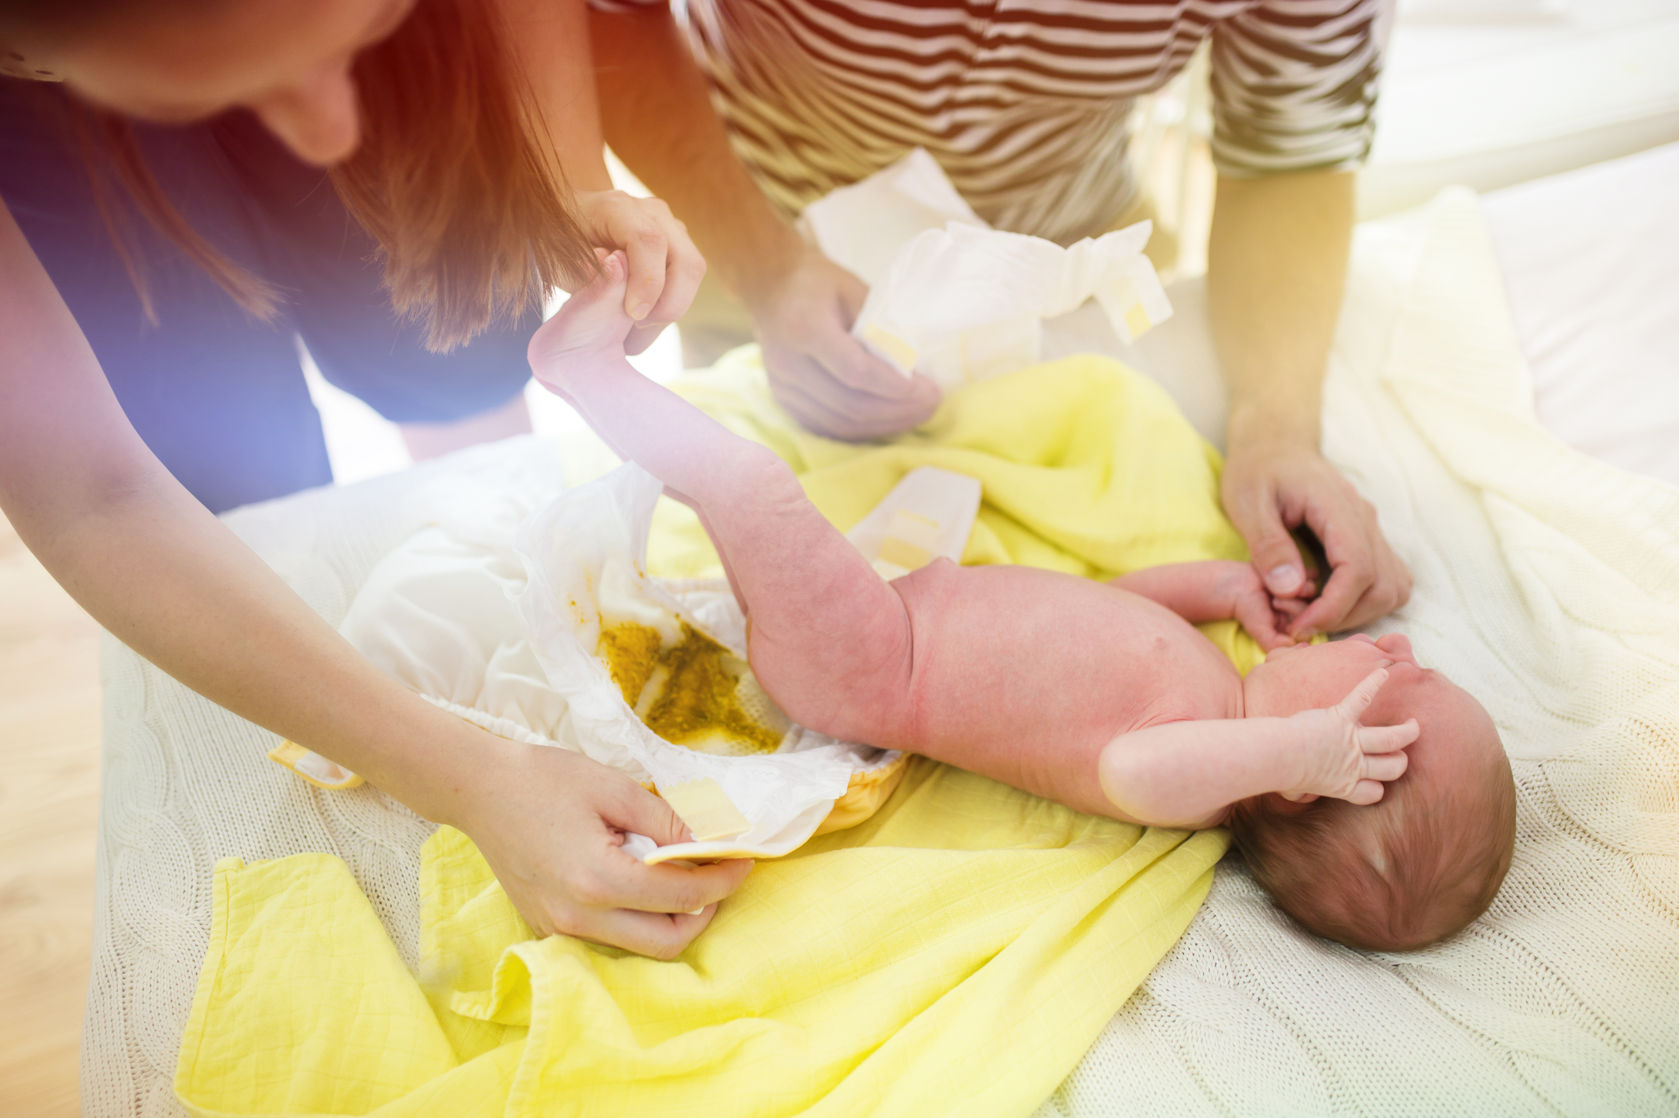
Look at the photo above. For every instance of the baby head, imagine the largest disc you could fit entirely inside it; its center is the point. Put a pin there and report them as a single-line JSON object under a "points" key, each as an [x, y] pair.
{"points": [[1425, 860]]}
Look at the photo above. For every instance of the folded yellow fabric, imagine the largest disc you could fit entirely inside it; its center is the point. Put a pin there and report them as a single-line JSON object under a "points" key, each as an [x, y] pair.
{"points": [[956, 953]]}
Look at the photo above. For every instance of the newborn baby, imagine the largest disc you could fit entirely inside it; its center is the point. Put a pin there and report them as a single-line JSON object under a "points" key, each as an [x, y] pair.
{"points": [[1101, 697]]}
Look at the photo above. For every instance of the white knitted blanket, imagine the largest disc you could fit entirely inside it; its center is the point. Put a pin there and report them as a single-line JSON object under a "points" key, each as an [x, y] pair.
{"points": [[1547, 583]]}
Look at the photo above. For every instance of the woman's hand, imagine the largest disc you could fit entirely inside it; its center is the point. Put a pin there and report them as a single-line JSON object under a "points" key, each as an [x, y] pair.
{"points": [[551, 825], [1344, 759], [665, 268], [825, 378], [1271, 487]]}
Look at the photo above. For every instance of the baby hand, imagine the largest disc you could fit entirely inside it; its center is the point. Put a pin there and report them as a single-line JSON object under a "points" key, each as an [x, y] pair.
{"points": [[1265, 617], [589, 326], [1345, 759]]}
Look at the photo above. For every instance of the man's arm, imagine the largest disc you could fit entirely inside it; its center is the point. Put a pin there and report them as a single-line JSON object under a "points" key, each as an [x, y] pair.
{"points": [[656, 109], [657, 115], [1277, 265]]}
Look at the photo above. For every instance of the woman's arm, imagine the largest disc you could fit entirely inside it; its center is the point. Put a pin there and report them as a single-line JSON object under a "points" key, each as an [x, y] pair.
{"points": [[170, 581]]}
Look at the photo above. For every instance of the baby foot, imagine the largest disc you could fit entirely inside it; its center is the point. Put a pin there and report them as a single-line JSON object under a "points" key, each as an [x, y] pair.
{"points": [[589, 328]]}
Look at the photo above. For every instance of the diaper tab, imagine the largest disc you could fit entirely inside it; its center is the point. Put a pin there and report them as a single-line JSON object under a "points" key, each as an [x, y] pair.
{"points": [[707, 810], [314, 768]]}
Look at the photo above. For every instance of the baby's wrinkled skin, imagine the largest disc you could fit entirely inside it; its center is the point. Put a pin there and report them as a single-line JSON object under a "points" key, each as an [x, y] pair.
{"points": [[1103, 697]]}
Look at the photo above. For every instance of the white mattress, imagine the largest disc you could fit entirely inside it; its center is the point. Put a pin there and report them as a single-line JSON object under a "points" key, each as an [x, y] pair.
{"points": [[186, 783]]}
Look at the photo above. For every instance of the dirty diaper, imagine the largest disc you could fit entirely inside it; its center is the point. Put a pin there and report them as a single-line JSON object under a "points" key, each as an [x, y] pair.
{"points": [[557, 636]]}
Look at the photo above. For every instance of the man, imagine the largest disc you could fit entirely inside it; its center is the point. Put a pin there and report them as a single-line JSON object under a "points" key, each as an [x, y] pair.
{"points": [[751, 109]]}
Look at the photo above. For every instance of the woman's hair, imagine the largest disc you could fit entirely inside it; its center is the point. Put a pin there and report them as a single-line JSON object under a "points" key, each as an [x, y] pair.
{"points": [[455, 178]]}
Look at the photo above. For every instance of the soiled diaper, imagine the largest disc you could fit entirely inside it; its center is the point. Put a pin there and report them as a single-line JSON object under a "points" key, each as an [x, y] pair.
{"points": [[545, 628], [692, 692], [655, 673]]}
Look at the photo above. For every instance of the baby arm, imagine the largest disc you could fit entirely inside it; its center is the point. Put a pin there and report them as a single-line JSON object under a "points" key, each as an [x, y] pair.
{"points": [[1185, 774], [828, 639], [1216, 590]]}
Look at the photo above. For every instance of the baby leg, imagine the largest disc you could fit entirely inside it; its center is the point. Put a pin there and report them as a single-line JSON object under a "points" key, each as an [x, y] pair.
{"points": [[828, 639]]}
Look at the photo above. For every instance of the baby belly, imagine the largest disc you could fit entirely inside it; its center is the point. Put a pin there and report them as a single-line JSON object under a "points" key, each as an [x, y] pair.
{"points": [[1024, 675]]}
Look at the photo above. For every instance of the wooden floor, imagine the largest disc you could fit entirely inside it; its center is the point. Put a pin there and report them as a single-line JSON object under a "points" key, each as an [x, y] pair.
{"points": [[49, 792]]}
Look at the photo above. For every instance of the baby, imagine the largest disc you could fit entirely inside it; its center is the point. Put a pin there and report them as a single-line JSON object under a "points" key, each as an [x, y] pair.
{"points": [[1101, 697]]}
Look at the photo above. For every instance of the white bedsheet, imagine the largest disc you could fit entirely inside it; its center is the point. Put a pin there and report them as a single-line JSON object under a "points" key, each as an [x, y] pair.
{"points": [[1244, 1013]]}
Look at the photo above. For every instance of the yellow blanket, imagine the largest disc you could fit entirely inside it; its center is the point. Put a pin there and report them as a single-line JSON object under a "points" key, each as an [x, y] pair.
{"points": [[954, 954]]}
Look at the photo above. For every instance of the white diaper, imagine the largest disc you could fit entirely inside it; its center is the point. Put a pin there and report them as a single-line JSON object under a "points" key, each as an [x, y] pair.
{"points": [[503, 626], [958, 301]]}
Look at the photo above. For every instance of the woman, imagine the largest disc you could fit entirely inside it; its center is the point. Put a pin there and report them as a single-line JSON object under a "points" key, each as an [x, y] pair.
{"points": [[188, 288]]}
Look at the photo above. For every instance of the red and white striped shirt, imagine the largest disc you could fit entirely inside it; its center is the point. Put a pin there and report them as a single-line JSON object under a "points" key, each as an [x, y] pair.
{"points": [[1026, 103]]}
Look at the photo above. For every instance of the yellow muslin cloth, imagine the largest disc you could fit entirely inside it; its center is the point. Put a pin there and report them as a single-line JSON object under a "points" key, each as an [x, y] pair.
{"points": [[955, 953]]}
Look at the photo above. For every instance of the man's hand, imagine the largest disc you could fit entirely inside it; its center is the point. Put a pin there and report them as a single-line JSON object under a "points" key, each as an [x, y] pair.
{"points": [[656, 109], [551, 824], [665, 268], [1270, 488], [825, 378], [1344, 759]]}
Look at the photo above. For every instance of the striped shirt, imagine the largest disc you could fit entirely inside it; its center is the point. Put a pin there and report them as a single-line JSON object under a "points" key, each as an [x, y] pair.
{"points": [[1026, 103]]}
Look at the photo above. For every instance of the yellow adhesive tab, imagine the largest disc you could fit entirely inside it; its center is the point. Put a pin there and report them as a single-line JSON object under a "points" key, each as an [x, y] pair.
{"points": [[707, 810], [896, 350], [314, 768], [888, 571], [912, 527], [1137, 321], [1123, 293], [901, 553]]}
